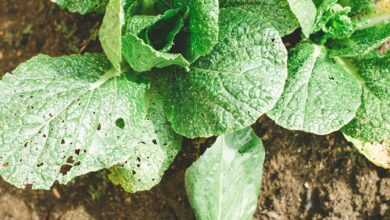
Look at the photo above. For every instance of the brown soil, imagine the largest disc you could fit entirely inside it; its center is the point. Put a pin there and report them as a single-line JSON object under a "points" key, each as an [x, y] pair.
{"points": [[306, 176]]}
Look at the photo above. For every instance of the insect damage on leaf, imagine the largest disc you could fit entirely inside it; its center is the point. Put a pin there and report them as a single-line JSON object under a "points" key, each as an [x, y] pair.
{"points": [[67, 116]]}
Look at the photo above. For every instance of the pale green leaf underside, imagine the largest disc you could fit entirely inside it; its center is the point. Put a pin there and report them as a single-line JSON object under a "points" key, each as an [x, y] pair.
{"points": [[203, 27], [276, 12], [372, 122], [305, 11], [225, 182], [61, 118], [142, 57], [230, 88], [376, 152], [110, 33], [316, 92], [147, 164], [82, 6]]}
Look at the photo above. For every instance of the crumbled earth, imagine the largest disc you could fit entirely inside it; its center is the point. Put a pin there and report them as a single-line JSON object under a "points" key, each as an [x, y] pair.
{"points": [[305, 177]]}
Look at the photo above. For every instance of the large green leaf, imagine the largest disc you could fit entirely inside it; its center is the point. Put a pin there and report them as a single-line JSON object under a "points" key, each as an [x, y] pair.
{"points": [[372, 122], [316, 92], [82, 6], [64, 117], [142, 56], [371, 127], [203, 27], [305, 11], [225, 182], [276, 12], [230, 88]]}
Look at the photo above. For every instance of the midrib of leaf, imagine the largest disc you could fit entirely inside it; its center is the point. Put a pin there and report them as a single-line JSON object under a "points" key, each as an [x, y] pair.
{"points": [[316, 54], [104, 78]]}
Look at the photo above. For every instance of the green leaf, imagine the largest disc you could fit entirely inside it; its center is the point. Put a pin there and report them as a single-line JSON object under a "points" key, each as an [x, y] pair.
{"points": [[371, 32], [363, 43], [315, 93], [146, 166], [64, 117], [140, 55], [372, 122], [82, 6], [305, 11], [359, 7], [376, 152], [110, 33], [161, 34], [230, 88], [225, 182], [276, 12], [203, 27], [333, 20]]}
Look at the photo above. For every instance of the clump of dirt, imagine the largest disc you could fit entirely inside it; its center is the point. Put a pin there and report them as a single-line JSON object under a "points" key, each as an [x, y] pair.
{"points": [[31, 27], [305, 177], [319, 177]]}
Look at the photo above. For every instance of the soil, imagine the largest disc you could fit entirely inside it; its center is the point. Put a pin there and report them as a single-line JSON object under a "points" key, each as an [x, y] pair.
{"points": [[305, 177]]}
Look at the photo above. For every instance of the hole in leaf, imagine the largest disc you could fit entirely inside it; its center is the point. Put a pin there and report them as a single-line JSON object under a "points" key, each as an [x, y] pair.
{"points": [[120, 123], [70, 160], [65, 169]]}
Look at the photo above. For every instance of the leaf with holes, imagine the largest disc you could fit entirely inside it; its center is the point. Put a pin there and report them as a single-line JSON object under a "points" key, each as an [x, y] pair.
{"points": [[64, 117], [315, 93], [225, 182], [146, 166]]}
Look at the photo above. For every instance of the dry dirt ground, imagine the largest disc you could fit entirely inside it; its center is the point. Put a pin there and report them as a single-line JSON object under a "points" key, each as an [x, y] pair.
{"points": [[306, 176]]}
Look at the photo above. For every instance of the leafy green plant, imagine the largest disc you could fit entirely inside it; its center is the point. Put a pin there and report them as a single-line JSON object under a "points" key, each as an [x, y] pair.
{"points": [[173, 69]]}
